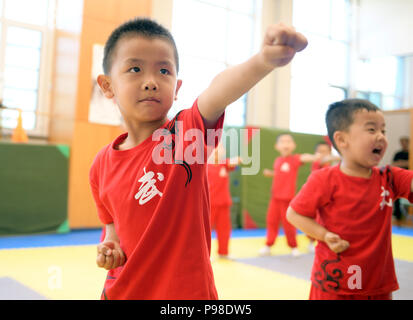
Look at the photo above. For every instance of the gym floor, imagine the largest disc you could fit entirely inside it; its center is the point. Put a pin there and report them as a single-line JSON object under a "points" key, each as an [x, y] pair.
{"points": [[62, 267]]}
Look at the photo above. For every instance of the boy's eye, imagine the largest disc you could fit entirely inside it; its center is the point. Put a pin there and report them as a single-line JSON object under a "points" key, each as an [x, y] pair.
{"points": [[371, 130], [135, 69], [164, 71]]}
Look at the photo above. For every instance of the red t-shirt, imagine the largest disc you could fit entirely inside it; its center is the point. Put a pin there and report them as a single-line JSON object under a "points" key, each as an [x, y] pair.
{"points": [[285, 177], [359, 210], [218, 183], [160, 213], [317, 165]]}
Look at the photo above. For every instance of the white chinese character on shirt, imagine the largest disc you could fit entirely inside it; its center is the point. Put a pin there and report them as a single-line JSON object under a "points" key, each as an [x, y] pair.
{"points": [[148, 190], [383, 202], [285, 167]]}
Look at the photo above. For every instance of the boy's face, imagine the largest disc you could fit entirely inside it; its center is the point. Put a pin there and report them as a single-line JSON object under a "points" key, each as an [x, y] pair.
{"points": [[285, 145], [364, 143], [323, 149], [142, 80]]}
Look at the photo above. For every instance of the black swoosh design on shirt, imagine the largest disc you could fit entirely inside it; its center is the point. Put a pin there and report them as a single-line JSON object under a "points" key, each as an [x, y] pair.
{"points": [[173, 130]]}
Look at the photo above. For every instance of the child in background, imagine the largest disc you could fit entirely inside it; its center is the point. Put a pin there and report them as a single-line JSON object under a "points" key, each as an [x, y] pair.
{"points": [[152, 199], [284, 173], [323, 149], [401, 159], [218, 184], [348, 208]]}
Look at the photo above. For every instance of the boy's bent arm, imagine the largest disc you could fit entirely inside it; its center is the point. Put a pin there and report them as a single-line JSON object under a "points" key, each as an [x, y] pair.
{"points": [[310, 227], [306, 224], [279, 47]]}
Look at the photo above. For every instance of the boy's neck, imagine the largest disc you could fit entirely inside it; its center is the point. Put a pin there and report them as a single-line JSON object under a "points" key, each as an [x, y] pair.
{"points": [[286, 154], [139, 132], [354, 170]]}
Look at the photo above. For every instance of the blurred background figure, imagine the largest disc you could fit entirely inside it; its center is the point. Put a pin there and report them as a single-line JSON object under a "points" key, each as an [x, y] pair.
{"points": [[219, 167], [401, 159]]}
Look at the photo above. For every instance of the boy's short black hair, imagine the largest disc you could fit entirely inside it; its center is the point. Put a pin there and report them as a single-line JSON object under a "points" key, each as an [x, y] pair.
{"points": [[144, 27], [339, 116], [322, 143], [283, 134]]}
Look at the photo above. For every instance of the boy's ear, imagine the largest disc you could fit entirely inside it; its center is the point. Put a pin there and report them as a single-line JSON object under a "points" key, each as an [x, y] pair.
{"points": [[340, 138], [178, 86], [105, 85]]}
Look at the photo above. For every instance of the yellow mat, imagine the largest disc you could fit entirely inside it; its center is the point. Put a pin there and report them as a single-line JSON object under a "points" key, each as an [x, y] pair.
{"points": [[71, 272]]}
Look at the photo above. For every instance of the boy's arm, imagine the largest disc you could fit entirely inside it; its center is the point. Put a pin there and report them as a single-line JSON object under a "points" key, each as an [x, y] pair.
{"points": [[268, 173], [279, 47], [310, 227], [308, 157], [329, 158]]}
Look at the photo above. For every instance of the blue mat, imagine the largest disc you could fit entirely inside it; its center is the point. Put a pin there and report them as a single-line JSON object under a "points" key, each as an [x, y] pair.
{"points": [[92, 236]]}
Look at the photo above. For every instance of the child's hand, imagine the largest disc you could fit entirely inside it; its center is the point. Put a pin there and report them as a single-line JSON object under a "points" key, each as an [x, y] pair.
{"points": [[280, 44], [110, 255], [267, 173], [335, 243]]}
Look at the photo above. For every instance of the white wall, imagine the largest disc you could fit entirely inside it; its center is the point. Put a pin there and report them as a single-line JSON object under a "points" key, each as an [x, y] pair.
{"points": [[397, 125], [385, 27]]}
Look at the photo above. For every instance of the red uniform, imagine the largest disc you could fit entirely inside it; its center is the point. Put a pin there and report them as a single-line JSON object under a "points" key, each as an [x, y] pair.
{"points": [[160, 213], [317, 165], [283, 190], [359, 210], [218, 183]]}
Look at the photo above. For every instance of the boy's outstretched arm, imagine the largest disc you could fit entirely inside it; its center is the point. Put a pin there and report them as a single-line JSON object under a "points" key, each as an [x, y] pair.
{"points": [[280, 44], [310, 227], [308, 157]]}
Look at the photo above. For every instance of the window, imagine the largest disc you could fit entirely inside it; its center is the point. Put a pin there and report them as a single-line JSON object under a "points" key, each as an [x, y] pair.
{"points": [[24, 62], [381, 81], [319, 73], [212, 35]]}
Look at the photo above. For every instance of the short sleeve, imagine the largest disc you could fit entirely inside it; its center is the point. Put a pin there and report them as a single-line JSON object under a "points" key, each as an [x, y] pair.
{"points": [[297, 160], [402, 180], [312, 196], [104, 215], [195, 136]]}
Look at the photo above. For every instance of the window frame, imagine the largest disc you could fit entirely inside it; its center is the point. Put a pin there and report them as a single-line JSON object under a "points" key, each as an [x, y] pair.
{"points": [[256, 20], [330, 37], [42, 112]]}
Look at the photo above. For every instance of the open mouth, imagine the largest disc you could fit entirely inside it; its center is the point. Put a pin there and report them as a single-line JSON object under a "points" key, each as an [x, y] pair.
{"points": [[377, 151]]}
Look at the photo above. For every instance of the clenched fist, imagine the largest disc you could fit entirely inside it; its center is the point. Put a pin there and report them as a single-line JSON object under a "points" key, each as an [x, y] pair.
{"points": [[281, 42]]}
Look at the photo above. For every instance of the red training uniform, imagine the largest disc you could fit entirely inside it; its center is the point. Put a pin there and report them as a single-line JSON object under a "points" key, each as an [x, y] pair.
{"points": [[359, 210], [283, 190], [220, 197], [160, 213]]}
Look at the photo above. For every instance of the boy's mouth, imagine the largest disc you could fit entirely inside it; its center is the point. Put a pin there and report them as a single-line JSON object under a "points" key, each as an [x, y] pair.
{"points": [[377, 151], [150, 99]]}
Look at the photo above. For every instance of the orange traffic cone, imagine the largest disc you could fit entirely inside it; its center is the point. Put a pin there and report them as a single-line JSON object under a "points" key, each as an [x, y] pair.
{"points": [[19, 134]]}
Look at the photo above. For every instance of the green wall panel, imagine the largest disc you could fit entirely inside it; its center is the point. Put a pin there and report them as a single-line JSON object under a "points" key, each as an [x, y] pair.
{"points": [[33, 188]]}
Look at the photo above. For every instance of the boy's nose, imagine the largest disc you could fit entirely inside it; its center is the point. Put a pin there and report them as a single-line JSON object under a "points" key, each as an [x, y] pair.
{"points": [[149, 85]]}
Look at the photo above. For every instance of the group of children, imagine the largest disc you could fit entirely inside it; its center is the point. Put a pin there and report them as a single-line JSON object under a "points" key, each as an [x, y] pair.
{"points": [[157, 241]]}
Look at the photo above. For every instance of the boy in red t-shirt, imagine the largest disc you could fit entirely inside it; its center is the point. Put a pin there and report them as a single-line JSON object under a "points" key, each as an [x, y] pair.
{"points": [[150, 189], [348, 208], [284, 173], [218, 185]]}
